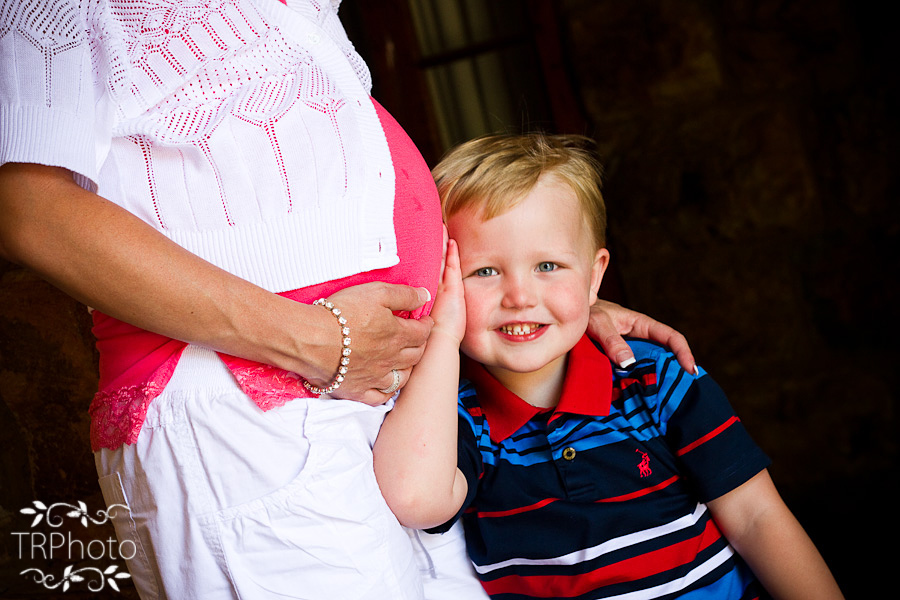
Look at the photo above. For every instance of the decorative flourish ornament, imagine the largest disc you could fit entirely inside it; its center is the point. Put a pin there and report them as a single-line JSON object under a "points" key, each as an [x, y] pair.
{"points": [[43, 512], [106, 577]]}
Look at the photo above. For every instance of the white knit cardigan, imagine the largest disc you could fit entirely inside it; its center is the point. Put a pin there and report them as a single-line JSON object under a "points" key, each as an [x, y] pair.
{"points": [[241, 129]]}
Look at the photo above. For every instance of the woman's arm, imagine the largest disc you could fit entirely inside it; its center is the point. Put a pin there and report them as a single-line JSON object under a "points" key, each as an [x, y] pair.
{"points": [[415, 453], [107, 258], [609, 322], [766, 534]]}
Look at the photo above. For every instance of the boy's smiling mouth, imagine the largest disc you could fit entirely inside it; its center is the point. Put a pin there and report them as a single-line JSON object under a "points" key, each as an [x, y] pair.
{"points": [[520, 329]]}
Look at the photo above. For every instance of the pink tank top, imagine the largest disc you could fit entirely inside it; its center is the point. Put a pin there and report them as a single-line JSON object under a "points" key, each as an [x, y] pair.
{"points": [[136, 365]]}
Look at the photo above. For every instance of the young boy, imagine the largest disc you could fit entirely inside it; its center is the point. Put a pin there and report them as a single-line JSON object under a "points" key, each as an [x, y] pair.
{"points": [[573, 479]]}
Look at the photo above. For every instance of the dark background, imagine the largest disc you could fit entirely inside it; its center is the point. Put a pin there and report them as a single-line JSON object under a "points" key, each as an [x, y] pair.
{"points": [[751, 154]]}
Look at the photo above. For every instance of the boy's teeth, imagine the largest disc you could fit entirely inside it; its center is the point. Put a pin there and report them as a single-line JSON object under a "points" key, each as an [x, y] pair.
{"points": [[519, 329]]}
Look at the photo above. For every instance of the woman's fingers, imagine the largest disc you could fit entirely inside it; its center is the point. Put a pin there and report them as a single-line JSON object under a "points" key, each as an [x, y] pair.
{"points": [[400, 297], [397, 378], [609, 322], [381, 341], [378, 396]]}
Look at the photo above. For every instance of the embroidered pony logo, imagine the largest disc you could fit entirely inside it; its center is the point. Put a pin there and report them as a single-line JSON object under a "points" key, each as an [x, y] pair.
{"points": [[644, 465]]}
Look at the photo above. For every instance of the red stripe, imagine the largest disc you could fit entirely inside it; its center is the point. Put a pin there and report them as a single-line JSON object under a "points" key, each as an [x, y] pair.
{"points": [[642, 492], [546, 501], [632, 569], [516, 511], [647, 380], [708, 436]]}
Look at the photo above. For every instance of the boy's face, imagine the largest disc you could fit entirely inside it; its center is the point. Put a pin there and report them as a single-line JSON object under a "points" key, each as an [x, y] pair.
{"points": [[530, 278]]}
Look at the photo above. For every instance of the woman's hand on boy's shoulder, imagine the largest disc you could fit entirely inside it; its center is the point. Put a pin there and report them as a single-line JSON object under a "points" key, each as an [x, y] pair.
{"points": [[609, 322]]}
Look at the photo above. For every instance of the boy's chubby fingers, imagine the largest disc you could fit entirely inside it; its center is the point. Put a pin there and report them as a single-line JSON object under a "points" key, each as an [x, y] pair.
{"points": [[451, 260], [449, 308], [451, 280]]}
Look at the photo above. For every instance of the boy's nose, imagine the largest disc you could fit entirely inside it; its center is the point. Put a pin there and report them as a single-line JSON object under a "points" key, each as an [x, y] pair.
{"points": [[518, 293]]}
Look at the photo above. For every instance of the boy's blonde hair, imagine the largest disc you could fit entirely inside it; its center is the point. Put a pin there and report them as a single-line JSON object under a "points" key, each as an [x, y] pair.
{"points": [[496, 171]]}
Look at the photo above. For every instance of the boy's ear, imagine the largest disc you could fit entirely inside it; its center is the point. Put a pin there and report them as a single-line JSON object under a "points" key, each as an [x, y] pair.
{"points": [[601, 261]]}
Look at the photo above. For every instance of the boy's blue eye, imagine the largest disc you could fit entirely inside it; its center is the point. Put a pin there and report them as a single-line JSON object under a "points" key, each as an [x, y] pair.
{"points": [[546, 266], [485, 272]]}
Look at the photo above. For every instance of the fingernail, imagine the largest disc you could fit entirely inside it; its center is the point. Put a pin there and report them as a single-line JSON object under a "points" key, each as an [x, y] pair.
{"points": [[696, 371], [626, 362], [427, 294]]}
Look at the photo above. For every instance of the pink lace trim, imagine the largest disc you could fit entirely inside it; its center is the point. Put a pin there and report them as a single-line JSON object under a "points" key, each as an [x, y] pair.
{"points": [[269, 387], [117, 416]]}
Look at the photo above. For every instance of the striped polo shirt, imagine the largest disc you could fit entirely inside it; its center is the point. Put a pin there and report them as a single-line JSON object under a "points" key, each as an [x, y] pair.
{"points": [[603, 496]]}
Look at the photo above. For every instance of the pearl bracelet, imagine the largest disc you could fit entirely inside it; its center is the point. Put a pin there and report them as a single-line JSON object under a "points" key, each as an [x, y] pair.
{"points": [[345, 350]]}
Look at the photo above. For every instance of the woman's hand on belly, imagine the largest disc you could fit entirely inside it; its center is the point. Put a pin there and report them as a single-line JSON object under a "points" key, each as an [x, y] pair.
{"points": [[380, 341]]}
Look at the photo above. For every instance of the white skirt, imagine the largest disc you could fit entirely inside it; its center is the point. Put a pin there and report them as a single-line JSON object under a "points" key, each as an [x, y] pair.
{"points": [[228, 501]]}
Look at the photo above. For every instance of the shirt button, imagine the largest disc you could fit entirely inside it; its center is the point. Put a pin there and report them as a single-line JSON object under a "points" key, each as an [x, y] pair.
{"points": [[313, 38], [569, 453]]}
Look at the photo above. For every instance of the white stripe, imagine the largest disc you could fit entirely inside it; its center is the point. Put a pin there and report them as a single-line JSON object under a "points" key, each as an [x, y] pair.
{"points": [[586, 554], [679, 584]]}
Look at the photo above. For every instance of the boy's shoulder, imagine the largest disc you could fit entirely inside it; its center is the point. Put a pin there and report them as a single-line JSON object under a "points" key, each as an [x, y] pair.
{"points": [[654, 365], [644, 351]]}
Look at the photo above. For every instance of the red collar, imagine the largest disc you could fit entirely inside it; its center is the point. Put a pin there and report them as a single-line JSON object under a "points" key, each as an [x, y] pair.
{"points": [[587, 390]]}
